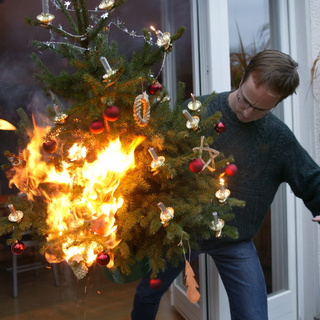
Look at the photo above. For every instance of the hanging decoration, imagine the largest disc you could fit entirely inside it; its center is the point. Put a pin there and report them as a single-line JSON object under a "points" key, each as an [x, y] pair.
{"points": [[141, 102], [111, 113], [220, 127], [78, 266], [50, 146], [212, 153], [96, 127], [18, 248], [196, 165], [192, 291], [191, 283], [103, 259], [154, 88], [231, 170]]}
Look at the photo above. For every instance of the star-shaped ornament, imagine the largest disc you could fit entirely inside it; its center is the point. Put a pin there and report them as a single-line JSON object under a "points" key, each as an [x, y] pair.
{"points": [[212, 153]]}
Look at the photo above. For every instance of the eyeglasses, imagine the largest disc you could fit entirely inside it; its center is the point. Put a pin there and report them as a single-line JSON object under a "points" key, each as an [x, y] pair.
{"points": [[246, 105]]}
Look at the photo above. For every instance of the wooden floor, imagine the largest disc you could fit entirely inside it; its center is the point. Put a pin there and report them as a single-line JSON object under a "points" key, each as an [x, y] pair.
{"points": [[92, 298]]}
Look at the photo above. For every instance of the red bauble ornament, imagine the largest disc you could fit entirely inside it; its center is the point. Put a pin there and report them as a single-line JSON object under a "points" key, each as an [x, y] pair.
{"points": [[50, 146], [155, 87], [231, 170], [18, 248], [111, 113], [155, 283], [196, 165], [102, 259], [219, 127], [96, 127]]}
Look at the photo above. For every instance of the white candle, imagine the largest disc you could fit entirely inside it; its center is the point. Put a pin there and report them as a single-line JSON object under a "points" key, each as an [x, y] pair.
{"points": [[222, 194], [45, 6], [153, 154], [188, 115], [162, 206], [215, 217], [159, 35], [222, 187], [106, 64], [194, 104], [12, 210]]}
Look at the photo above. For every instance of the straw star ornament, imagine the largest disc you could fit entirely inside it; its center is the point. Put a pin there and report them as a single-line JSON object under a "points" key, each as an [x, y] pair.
{"points": [[212, 153]]}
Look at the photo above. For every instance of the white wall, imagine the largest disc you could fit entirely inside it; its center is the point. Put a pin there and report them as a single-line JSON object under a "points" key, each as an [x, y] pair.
{"points": [[315, 51], [305, 37]]}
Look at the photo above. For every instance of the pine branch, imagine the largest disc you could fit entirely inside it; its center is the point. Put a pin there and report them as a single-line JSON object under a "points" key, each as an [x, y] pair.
{"points": [[68, 16]]}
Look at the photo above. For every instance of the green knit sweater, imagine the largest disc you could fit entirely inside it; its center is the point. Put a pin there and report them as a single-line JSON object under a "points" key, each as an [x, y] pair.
{"points": [[266, 154]]}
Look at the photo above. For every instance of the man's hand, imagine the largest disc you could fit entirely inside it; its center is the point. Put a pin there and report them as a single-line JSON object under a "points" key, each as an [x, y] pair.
{"points": [[316, 219]]}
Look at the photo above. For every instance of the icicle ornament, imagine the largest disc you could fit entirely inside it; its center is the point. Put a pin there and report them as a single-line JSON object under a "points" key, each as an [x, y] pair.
{"points": [[193, 122], [157, 161], [167, 214]]}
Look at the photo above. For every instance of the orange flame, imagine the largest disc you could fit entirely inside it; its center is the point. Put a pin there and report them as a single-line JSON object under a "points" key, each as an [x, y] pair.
{"points": [[5, 125], [95, 203]]}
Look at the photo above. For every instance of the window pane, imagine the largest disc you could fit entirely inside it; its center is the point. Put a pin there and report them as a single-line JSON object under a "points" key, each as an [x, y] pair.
{"points": [[248, 33]]}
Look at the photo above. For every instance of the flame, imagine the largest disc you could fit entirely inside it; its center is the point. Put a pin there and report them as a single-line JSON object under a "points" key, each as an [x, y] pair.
{"points": [[5, 125], [93, 204]]}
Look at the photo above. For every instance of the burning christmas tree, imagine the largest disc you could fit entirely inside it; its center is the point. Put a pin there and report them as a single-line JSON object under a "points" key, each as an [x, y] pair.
{"points": [[119, 176]]}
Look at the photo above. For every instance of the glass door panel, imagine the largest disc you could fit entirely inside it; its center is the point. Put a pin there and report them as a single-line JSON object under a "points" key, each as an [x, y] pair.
{"points": [[249, 33]]}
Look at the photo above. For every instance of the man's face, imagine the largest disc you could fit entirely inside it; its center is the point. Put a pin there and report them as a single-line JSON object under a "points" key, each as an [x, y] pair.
{"points": [[252, 103]]}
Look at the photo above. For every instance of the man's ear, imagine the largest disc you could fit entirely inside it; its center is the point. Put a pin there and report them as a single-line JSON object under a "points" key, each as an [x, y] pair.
{"points": [[241, 82]]}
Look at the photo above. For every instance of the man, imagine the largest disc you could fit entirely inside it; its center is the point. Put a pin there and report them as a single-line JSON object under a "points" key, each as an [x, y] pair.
{"points": [[266, 154]]}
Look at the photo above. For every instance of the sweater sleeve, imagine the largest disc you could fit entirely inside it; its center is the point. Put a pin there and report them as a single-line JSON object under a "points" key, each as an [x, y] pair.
{"points": [[303, 175]]}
